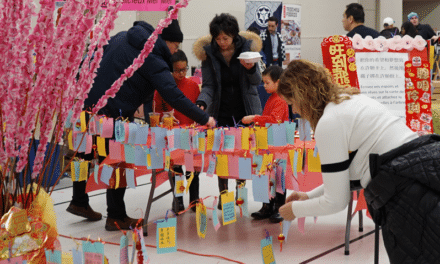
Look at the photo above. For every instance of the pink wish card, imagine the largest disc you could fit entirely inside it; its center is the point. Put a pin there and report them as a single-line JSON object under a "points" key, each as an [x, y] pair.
{"points": [[237, 134], [115, 150], [127, 131], [189, 161], [233, 166], [107, 127], [89, 144]]}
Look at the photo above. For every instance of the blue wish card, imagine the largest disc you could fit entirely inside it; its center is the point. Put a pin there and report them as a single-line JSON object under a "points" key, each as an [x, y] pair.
{"points": [[156, 156], [96, 170], [260, 188], [142, 135], [258, 160], [159, 134], [279, 135], [77, 256], [184, 139], [229, 143], [215, 221], [77, 166], [243, 194], [123, 250], [119, 131], [106, 174], [78, 145], [68, 122], [166, 236], [132, 130], [217, 139], [93, 252], [177, 138], [245, 168], [129, 151], [290, 132], [140, 156], [129, 175], [211, 168], [286, 227], [304, 130], [53, 257], [267, 251], [295, 164], [315, 151], [269, 134], [281, 176], [195, 140]]}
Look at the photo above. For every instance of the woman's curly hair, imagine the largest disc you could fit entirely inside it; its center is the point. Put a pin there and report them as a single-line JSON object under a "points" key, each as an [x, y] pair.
{"points": [[309, 87]]}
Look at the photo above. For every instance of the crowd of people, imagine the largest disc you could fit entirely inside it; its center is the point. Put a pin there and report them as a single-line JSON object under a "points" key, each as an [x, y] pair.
{"points": [[359, 140]]}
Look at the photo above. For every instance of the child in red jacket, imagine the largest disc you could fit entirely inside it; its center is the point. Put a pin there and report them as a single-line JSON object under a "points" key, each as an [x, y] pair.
{"points": [[191, 90], [275, 110]]}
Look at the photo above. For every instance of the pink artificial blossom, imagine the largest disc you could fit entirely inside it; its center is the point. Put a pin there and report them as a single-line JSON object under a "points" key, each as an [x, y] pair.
{"points": [[357, 42], [419, 43], [380, 44], [395, 43], [368, 43], [407, 42]]}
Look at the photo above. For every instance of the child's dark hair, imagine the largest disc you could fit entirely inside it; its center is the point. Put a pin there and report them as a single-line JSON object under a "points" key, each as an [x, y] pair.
{"points": [[274, 72], [179, 55]]}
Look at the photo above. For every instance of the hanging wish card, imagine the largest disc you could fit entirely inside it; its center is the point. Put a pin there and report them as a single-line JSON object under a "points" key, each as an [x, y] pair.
{"points": [[280, 174], [269, 134], [160, 134], [156, 159], [142, 135], [132, 128], [189, 161], [304, 130], [107, 127], [260, 188], [184, 139], [217, 139], [201, 220], [211, 168], [129, 151], [222, 168], [140, 156], [177, 132], [101, 146], [245, 138], [106, 174], [229, 143], [261, 137], [131, 181], [201, 138], [257, 163], [279, 135], [84, 170], [290, 132], [75, 168], [313, 162], [123, 250], [179, 186], [215, 221], [83, 121], [245, 168], [126, 132], [242, 200], [267, 251], [166, 236], [228, 208], [209, 139], [76, 256], [93, 252], [233, 166], [119, 131], [167, 160], [140, 234]]}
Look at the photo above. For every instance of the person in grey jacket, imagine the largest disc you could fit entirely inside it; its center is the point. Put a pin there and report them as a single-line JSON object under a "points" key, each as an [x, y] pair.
{"points": [[229, 85]]}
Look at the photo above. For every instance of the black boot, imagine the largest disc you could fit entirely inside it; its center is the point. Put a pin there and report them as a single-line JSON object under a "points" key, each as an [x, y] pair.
{"points": [[194, 190], [222, 186], [179, 206], [280, 199], [265, 212]]}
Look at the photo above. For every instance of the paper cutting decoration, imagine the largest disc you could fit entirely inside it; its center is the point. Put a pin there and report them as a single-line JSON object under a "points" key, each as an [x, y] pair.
{"points": [[166, 236], [267, 251], [201, 220], [228, 208]]}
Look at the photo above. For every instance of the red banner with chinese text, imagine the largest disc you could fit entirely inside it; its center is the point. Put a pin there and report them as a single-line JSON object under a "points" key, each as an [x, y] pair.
{"points": [[418, 96], [339, 58]]}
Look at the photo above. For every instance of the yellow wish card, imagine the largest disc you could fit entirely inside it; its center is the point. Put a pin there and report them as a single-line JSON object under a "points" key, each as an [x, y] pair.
{"points": [[267, 159], [261, 137], [70, 139], [83, 121], [201, 220], [101, 146], [84, 170], [313, 163], [299, 166], [188, 182], [209, 139], [228, 208], [245, 133], [118, 177], [222, 168]]}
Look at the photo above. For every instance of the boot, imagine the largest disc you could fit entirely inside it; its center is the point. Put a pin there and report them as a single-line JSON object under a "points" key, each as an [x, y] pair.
{"points": [[265, 212], [280, 199], [180, 206], [86, 212], [123, 224], [194, 190], [222, 186]]}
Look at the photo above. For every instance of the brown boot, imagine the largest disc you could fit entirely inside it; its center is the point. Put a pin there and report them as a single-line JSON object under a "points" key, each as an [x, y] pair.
{"points": [[86, 212], [124, 224]]}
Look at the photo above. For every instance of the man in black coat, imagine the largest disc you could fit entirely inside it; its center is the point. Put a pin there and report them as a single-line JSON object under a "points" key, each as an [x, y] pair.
{"points": [[353, 21], [273, 46], [153, 75], [424, 30]]}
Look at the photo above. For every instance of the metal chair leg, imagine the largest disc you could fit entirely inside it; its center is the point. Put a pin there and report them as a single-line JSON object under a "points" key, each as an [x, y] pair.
{"points": [[150, 201], [347, 227], [361, 222]]}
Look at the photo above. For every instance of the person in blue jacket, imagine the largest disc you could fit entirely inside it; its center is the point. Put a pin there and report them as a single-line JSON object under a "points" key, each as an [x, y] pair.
{"points": [[139, 89]]}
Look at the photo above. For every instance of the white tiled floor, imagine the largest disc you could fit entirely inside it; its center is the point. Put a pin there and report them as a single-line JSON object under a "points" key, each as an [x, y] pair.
{"points": [[322, 241]]}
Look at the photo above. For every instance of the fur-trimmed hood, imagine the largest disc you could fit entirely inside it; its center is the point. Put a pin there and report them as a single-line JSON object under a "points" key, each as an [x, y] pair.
{"points": [[200, 53]]}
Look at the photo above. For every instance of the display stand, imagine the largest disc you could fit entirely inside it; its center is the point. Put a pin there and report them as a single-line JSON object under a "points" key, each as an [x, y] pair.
{"points": [[152, 199]]}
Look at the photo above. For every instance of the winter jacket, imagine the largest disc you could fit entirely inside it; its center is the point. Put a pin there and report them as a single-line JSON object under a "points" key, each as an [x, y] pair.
{"points": [[139, 89], [211, 75], [404, 198], [267, 49]]}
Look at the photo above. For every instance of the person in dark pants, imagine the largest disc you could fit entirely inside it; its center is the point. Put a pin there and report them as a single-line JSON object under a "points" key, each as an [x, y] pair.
{"points": [[273, 46], [153, 75], [229, 88]]}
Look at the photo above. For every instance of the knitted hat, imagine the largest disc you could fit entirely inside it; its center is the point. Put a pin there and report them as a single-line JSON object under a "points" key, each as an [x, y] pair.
{"points": [[172, 32], [388, 21], [412, 14]]}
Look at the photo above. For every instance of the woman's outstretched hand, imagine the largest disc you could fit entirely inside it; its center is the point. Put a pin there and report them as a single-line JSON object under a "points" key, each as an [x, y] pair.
{"points": [[286, 210]]}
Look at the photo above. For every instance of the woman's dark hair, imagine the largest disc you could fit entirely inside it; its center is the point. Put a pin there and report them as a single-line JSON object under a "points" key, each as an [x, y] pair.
{"points": [[225, 23], [179, 55], [409, 29], [274, 72], [357, 11]]}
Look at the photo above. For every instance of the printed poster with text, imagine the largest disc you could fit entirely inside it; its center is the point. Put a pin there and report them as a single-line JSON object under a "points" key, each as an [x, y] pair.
{"points": [[291, 31]]}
